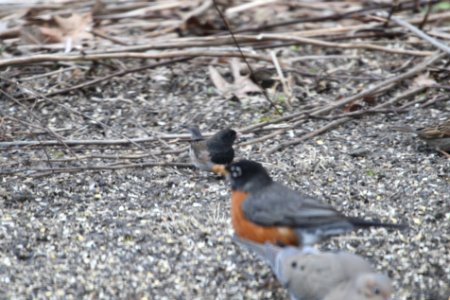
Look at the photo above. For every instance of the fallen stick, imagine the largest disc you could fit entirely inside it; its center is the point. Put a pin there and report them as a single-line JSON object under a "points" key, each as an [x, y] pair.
{"points": [[390, 81]]}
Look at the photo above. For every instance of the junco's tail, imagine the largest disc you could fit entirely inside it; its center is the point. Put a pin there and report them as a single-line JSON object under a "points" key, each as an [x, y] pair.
{"points": [[361, 223], [195, 133]]}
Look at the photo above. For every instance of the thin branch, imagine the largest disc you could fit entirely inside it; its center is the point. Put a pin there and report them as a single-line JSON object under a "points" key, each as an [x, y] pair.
{"points": [[40, 172], [320, 43], [332, 17], [109, 38], [309, 135], [107, 77], [113, 54], [422, 34], [33, 115], [32, 59], [114, 142], [427, 14], [391, 80], [286, 88], [97, 156], [48, 74], [264, 138]]}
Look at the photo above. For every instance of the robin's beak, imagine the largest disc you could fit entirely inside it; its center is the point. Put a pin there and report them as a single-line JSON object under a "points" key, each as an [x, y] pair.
{"points": [[220, 169]]}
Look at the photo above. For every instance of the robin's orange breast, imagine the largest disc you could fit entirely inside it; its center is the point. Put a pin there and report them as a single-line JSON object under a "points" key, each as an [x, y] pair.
{"points": [[251, 231]]}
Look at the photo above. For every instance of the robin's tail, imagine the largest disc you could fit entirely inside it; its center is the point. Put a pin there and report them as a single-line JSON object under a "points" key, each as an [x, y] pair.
{"points": [[361, 223], [195, 133]]}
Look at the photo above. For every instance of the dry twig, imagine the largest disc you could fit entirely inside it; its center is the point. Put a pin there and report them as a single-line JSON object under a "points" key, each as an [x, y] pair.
{"points": [[390, 81]]}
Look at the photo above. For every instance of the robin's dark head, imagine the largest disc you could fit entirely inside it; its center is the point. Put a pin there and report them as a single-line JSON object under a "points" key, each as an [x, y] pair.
{"points": [[224, 137], [247, 175]]}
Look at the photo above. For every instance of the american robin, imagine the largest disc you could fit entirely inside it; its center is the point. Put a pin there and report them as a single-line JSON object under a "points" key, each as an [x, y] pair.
{"points": [[218, 149], [266, 211], [437, 136], [322, 275]]}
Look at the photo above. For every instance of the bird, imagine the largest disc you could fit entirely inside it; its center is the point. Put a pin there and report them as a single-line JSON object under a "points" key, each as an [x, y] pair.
{"points": [[368, 286], [218, 149], [437, 136], [263, 210], [321, 275]]}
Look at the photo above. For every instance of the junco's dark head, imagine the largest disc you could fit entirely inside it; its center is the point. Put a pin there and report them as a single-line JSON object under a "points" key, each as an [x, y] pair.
{"points": [[246, 175], [226, 136]]}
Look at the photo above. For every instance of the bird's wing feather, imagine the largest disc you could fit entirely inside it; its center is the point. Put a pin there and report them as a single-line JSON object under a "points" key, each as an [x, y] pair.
{"points": [[199, 155], [195, 133], [278, 205]]}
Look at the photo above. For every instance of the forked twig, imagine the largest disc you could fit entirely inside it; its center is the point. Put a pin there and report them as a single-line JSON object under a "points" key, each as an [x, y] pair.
{"points": [[250, 69]]}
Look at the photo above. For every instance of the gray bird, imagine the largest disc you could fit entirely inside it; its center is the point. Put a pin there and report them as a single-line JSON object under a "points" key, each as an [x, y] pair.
{"points": [[367, 286], [314, 275]]}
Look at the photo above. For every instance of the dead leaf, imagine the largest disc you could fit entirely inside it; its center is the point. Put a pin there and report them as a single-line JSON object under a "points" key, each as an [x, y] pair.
{"points": [[351, 107], [241, 86], [423, 80], [71, 30], [264, 77], [370, 100], [77, 26], [39, 35], [98, 8], [197, 27]]}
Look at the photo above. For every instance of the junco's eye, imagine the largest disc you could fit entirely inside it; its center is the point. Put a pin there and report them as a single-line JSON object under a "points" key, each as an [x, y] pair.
{"points": [[294, 264]]}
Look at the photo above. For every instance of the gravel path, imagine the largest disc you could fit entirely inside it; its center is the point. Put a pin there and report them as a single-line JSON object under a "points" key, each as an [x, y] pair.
{"points": [[164, 233]]}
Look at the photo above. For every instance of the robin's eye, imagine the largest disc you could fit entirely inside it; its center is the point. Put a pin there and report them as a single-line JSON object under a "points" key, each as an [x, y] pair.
{"points": [[376, 291]]}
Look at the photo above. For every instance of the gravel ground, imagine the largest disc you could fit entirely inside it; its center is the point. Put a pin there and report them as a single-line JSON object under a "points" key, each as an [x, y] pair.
{"points": [[164, 233]]}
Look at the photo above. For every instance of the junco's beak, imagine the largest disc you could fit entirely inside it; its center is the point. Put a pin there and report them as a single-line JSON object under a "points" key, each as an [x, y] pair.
{"points": [[220, 169]]}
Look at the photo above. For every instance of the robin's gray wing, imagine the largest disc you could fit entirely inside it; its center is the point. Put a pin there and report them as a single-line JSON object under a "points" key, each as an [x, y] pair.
{"points": [[278, 205]]}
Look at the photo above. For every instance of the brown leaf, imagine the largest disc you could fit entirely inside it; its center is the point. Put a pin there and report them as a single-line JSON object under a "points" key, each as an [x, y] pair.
{"points": [[76, 26], [370, 100], [59, 29], [423, 80], [98, 8], [40, 35], [352, 106], [241, 86], [196, 26], [264, 77]]}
